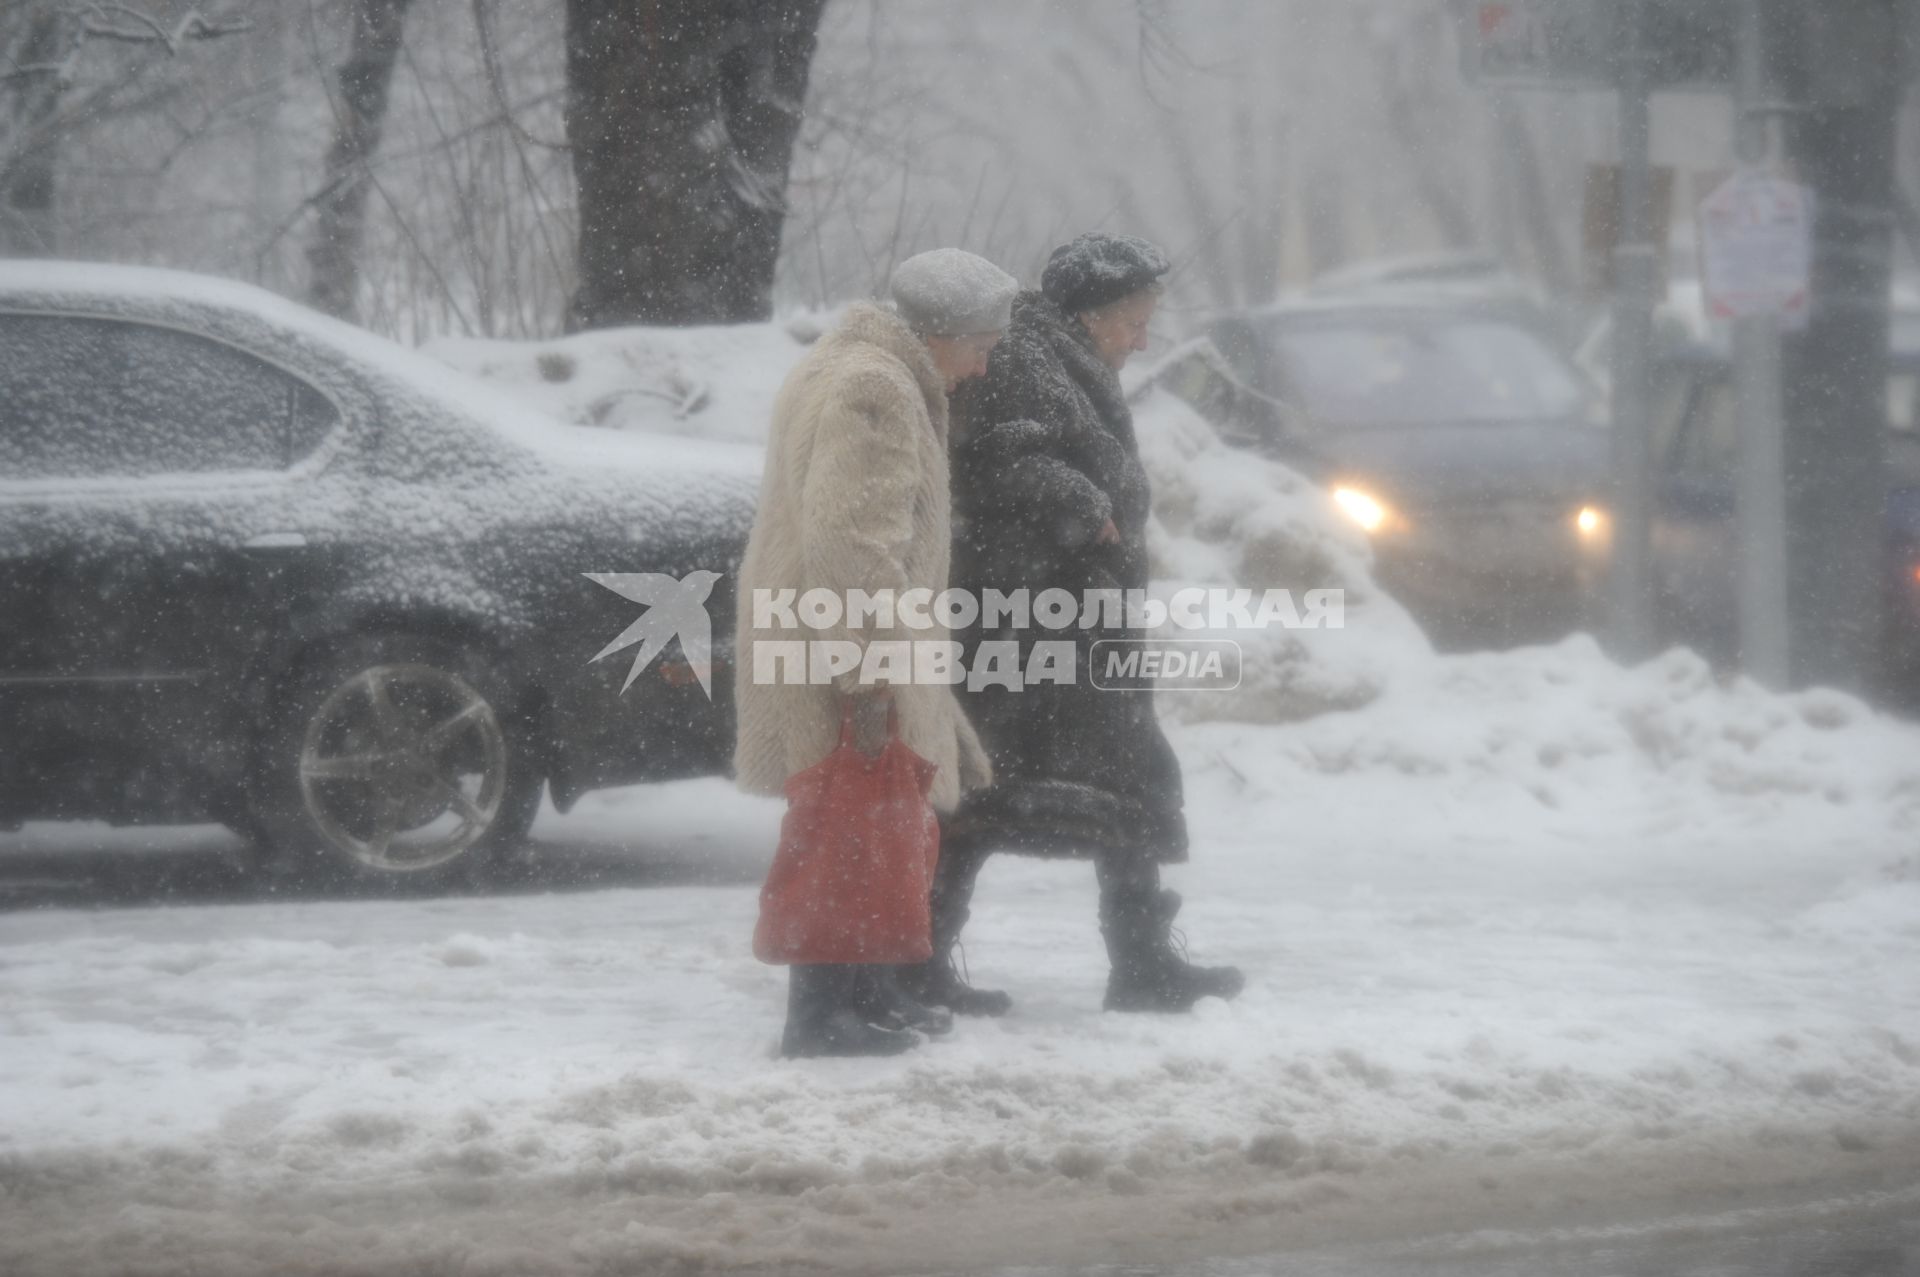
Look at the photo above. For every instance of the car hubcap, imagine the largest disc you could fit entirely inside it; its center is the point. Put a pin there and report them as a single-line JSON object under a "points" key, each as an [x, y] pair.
{"points": [[403, 767]]}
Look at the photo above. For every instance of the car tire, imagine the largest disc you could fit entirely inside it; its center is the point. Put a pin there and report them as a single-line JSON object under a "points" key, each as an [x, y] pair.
{"points": [[397, 761]]}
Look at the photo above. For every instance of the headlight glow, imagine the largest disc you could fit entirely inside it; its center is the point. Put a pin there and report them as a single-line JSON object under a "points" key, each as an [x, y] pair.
{"points": [[1591, 521], [1362, 507]]}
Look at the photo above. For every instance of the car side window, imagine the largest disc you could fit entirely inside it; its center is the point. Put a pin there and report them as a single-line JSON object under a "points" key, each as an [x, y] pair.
{"points": [[1672, 407], [1709, 438], [1708, 441], [1202, 380], [1903, 404], [1240, 345], [52, 382], [105, 397]]}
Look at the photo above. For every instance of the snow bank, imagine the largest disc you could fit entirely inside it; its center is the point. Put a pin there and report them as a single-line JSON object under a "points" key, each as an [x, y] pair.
{"points": [[1577, 738], [715, 383], [1223, 516], [1460, 1014], [1530, 939]]}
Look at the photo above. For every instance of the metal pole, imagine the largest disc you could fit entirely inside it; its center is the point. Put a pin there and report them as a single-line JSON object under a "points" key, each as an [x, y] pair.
{"points": [[1635, 259], [1759, 410]]}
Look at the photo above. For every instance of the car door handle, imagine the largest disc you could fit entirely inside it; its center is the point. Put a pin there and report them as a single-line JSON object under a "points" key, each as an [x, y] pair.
{"points": [[276, 541]]}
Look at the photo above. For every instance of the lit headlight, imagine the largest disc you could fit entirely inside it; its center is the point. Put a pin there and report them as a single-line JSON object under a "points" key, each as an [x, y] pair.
{"points": [[1590, 522], [1363, 508]]}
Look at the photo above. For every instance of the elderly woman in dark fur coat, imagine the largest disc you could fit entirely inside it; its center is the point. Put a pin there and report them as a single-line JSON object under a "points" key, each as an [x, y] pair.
{"points": [[1049, 493]]}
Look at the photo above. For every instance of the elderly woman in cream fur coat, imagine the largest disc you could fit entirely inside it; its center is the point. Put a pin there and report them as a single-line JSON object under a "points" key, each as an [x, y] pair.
{"points": [[855, 496]]}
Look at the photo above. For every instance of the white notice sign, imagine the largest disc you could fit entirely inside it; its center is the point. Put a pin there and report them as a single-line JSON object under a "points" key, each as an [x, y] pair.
{"points": [[1756, 247]]}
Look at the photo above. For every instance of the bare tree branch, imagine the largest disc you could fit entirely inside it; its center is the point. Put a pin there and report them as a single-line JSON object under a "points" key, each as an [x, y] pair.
{"points": [[99, 21]]}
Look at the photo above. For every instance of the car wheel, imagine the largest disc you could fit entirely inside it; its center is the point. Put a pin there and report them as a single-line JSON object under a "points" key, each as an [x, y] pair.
{"points": [[396, 760]]}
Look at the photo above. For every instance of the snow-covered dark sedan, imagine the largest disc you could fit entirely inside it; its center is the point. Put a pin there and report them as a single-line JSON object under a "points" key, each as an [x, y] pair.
{"points": [[263, 568]]}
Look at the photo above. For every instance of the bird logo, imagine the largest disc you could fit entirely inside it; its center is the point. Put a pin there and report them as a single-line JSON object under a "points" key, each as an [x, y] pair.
{"points": [[675, 607]]}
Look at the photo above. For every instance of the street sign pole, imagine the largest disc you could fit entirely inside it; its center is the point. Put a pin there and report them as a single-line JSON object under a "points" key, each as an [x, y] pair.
{"points": [[1636, 261], [1758, 408]]}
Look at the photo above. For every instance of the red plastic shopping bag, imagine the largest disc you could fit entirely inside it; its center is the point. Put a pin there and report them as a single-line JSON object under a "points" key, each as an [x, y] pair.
{"points": [[857, 850]]}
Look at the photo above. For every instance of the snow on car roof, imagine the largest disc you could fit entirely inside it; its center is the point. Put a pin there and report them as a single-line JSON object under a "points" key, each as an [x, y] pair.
{"points": [[1421, 299], [427, 477], [96, 284]]}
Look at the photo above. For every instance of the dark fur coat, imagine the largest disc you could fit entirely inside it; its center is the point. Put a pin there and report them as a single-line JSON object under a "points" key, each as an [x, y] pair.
{"points": [[1043, 455]]}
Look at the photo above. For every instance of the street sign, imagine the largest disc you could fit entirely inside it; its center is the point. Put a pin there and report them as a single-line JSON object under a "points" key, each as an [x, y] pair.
{"points": [[1538, 43], [1577, 44], [1756, 247]]}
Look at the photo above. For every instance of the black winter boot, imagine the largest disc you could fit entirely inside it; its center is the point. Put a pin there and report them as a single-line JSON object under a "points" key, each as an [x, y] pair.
{"points": [[885, 1003], [1149, 973], [823, 1017], [938, 981]]}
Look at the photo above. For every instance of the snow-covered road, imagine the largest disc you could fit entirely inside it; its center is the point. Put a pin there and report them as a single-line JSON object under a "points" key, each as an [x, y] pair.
{"points": [[1477, 999]]}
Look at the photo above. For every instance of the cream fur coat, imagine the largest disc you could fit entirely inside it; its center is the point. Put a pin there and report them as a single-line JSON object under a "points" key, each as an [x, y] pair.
{"points": [[855, 496]]}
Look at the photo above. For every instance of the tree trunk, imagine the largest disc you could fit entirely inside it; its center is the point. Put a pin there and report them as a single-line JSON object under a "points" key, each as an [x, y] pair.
{"points": [[274, 187], [1264, 213], [1836, 399], [1529, 187], [1324, 208], [333, 258], [682, 115], [1432, 180], [1408, 105], [27, 223], [1835, 368]]}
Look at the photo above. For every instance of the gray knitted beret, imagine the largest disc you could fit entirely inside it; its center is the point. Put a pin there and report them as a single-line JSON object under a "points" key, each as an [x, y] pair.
{"points": [[949, 293]]}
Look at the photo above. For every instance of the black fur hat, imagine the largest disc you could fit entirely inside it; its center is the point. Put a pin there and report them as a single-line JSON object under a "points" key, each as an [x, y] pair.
{"points": [[1096, 268]]}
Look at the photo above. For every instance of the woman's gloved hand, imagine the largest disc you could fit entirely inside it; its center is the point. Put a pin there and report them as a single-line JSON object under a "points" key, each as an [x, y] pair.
{"points": [[870, 707]]}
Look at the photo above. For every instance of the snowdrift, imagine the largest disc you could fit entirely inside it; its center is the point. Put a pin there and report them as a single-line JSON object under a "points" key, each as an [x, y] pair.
{"points": [[716, 382], [1226, 517]]}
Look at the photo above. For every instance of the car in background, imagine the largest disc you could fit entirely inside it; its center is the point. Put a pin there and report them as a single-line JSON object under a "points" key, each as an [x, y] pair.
{"points": [[1451, 429], [1696, 552], [263, 568], [1478, 281]]}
